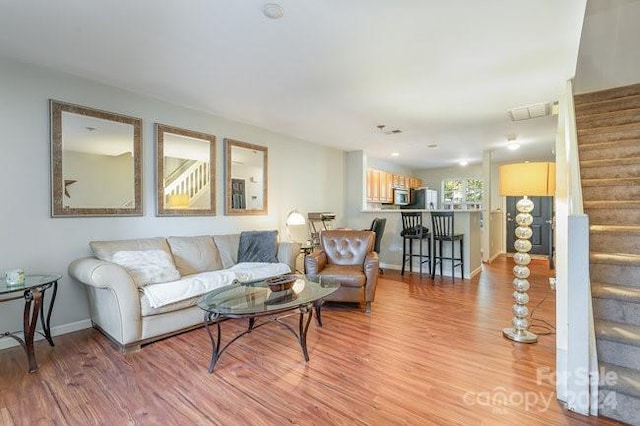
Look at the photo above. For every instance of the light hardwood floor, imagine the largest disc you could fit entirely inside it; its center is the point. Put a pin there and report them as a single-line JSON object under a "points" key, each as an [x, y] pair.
{"points": [[431, 352]]}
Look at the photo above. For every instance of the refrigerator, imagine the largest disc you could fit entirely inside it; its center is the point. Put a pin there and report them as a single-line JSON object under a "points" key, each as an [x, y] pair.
{"points": [[422, 198]]}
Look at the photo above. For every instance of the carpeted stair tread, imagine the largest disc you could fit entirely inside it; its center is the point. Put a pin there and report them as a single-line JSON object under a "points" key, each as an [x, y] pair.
{"points": [[611, 204], [610, 162], [615, 229], [629, 128], [607, 119], [623, 380], [618, 332], [624, 259], [611, 135], [609, 105], [609, 144], [613, 291], [606, 95], [610, 182]]}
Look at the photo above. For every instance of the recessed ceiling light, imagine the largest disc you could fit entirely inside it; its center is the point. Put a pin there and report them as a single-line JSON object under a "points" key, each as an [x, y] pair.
{"points": [[273, 11], [463, 163], [513, 146], [395, 154]]}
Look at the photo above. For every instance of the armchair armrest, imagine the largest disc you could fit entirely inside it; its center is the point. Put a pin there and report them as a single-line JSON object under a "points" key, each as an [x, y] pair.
{"points": [[371, 271], [315, 262]]}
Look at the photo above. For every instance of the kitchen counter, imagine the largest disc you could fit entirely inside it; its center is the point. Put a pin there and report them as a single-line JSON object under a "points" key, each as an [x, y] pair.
{"points": [[467, 222]]}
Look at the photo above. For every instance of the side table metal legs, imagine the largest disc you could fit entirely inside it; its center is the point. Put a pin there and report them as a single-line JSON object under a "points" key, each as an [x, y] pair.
{"points": [[30, 320], [46, 325], [305, 315], [34, 306]]}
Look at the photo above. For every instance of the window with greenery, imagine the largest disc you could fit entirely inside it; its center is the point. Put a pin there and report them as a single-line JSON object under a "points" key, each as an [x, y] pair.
{"points": [[462, 193]]}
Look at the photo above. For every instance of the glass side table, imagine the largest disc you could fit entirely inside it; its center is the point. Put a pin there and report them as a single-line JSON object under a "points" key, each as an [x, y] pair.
{"points": [[33, 290]]}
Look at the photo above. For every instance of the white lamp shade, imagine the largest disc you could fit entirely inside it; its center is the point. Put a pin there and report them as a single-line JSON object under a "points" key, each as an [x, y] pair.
{"points": [[528, 179], [295, 218]]}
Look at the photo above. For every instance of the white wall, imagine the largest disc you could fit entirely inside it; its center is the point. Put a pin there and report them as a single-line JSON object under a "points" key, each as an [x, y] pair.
{"points": [[608, 55], [303, 175]]}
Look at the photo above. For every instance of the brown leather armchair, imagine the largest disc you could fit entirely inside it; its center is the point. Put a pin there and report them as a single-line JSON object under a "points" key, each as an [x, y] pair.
{"points": [[347, 256]]}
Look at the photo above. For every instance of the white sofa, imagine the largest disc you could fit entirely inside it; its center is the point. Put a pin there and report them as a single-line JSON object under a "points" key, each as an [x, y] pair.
{"points": [[143, 290]]}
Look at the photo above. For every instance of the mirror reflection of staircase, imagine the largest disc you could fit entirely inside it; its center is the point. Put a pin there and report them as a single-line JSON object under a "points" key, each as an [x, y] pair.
{"points": [[608, 124], [186, 182]]}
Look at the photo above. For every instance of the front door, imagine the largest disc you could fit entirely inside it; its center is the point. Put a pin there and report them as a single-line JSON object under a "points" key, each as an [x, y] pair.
{"points": [[541, 241]]}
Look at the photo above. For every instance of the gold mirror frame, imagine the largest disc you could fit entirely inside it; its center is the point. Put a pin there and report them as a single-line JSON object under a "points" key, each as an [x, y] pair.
{"points": [[61, 185], [195, 176], [229, 208]]}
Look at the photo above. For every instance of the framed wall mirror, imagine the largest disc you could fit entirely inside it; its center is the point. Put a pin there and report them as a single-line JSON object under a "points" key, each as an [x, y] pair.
{"points": [[96, 162], [186, 164], [246, 178]]}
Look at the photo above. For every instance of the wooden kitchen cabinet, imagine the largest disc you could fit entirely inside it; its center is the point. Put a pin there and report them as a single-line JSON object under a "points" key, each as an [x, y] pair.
{"points": [[380, 185]]}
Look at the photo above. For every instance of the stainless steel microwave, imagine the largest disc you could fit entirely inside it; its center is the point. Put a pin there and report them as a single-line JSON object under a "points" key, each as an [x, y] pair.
{"points": [[400, 197]]}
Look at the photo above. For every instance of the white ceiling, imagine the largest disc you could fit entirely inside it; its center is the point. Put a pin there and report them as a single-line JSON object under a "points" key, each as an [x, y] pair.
{"points": [[329, 71]]}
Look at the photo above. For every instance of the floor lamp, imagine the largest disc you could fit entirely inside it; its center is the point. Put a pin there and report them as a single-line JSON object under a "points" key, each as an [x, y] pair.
{"points": [[524, 179]]}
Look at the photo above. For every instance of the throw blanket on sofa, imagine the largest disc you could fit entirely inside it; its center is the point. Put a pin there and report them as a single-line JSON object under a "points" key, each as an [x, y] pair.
{"points": [[199, 284]]}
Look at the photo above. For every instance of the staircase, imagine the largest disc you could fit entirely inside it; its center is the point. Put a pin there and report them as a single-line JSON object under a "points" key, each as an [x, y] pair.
{"points": [[608, 124]]}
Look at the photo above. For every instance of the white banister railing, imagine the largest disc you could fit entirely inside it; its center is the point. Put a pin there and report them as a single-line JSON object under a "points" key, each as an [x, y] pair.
{"points": [[576, 362], [190, 182]]}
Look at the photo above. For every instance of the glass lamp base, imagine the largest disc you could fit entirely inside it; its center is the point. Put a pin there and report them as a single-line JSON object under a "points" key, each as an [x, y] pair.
{"points": [[522, 336]]}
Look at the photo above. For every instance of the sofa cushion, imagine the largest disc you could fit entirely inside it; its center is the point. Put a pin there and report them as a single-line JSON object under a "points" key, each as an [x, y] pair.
{"points": [[251, 271], [347, 275], [195, 254], [148, 260], [195, 285], [258, 246], [147, 266], [228, 248], [146, 310]]}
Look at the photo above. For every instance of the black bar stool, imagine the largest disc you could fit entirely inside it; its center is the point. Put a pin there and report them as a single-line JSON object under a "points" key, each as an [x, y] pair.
{"points": [[443, 231], [412, 230]]}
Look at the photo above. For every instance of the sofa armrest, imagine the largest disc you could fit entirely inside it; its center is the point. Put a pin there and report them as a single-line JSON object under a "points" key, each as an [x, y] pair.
{"points": [[288, 253], [114, 297], [315, 262], [371, 271]]}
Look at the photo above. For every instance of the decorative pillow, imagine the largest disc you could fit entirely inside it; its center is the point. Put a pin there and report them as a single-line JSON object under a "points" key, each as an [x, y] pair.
{"points": [[228, 248], [147, 266], [258, 246], [195, 254]]}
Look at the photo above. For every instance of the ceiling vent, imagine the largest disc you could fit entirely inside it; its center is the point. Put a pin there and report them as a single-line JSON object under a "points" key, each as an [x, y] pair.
{"points": [[388, 131], [530, 111]]}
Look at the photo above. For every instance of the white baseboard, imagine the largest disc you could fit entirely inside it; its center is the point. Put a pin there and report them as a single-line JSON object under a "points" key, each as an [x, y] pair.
{"points": [[55, 331], [495, 256]]}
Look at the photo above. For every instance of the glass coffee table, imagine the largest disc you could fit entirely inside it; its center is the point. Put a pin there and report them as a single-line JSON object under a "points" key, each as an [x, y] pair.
{"points": [[254, 300]]}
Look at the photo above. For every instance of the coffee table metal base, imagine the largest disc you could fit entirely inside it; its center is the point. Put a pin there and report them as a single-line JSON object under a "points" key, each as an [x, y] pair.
{"points": [[305, 314]]}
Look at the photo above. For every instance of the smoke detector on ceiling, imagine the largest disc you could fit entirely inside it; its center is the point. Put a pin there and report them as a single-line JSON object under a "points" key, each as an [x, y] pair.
{"points": [[530, 111], [273, 11], [388, 131]]}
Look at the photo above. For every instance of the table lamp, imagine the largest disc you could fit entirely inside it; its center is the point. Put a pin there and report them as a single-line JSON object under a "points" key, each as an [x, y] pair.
{"points": [[294, 218], [524, 179]]}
